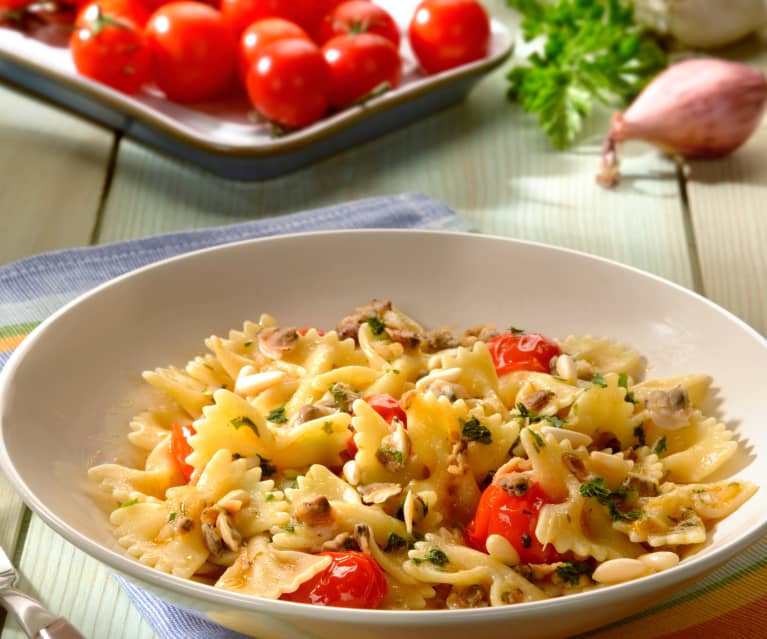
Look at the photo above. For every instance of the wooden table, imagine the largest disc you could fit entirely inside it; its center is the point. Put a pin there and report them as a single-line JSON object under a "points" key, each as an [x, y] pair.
{"points": [[65, 182]]}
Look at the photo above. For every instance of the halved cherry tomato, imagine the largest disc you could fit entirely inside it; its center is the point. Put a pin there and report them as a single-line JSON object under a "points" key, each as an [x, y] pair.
{"points": [[448, 33], [514, 518], [289, 83], [523, 352], [358, 16], [304, 331], [180, 448], [352, 580], [359, 64], [194, 53], [387, 407], [261, 33], [110, 50]]}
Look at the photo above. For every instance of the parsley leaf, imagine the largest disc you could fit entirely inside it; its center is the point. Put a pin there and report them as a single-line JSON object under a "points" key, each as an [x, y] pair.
{"points": [[593, 51], [437, 556], [376, 325], [599, 380], [243, 420], [277, 415], [597, 489], [660, 447], [570, 572], [533, 418], [473, 431]]}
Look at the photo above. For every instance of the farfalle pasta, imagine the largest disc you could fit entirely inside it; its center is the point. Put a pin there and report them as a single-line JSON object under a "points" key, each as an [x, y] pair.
{"points": [[482, 469]]}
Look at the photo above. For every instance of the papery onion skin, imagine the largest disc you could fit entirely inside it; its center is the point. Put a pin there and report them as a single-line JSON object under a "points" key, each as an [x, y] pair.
{"points": [[698, 108]]}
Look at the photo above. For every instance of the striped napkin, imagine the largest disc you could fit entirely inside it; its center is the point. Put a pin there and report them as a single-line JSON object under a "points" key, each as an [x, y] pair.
{"points": [[730, 603]]}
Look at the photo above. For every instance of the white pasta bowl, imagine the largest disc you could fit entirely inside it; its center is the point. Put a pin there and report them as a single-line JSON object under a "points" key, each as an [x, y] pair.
{"points": [[78, 376]]}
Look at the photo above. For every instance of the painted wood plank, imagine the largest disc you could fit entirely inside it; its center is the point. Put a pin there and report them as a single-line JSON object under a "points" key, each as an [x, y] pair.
{"points": [[75, 586], [485, 158], [728, 206], [53, 166]]}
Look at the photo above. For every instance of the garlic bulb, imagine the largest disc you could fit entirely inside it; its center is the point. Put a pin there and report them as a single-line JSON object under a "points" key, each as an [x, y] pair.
{"points": [[702, 107], [704, 24]]}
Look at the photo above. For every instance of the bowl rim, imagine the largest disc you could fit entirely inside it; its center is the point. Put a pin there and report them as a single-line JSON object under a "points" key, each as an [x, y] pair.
{"points": [[696, 566]]}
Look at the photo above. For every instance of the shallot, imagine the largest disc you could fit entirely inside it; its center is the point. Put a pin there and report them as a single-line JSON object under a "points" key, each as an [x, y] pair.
{"points": [[698, 108], [705, 24]]}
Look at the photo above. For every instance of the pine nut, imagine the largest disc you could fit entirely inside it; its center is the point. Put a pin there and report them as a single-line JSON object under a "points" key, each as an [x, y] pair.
{"points": [[560, 434], [351, 472], [499, 548], [408, 511], [566, 369], [661, 560], [615, 571]]}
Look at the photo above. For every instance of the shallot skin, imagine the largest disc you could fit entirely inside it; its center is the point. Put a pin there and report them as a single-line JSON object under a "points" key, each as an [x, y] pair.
{"points": [[698, 108]]}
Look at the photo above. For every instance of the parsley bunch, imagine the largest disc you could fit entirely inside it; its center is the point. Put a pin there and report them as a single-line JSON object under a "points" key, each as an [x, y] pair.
{"points": [[593, 51]]}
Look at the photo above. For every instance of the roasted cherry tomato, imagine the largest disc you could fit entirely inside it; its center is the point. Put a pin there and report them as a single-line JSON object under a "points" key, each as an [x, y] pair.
{"points": [[261, 33], [448, 33], [523, 352], [193, 51], [289, 83], [352, 580], [110, 50], [360, 64], [180, 448], [387, 407], [358, 16], [514, 517]]}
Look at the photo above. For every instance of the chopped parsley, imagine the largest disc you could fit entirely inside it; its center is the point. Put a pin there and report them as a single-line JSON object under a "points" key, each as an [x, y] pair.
{"points": [[597, 489], [623, 382], [339, 394], [639, 434], [599, 380], [267, 468], [277, 415], [473, 431], [244, 420], [533, 418], [435, 556], [516, 331], [327, 426], [130, 502], [570, 571], [270, 497], [376, 325], [395, 542], [539, 443], [387, 455], [660, 447], [171, 518], [288, 528], [248, 344]]}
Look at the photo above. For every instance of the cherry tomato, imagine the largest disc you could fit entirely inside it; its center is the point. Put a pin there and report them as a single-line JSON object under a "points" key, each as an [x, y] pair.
{"points": [[110, 50], [525, 352], [359, 64], [261, 33], [448, 33], [387, 407], [358, 16], [134, 10], [180, 448], [352, 580], [194, 53], [239, 14], [514, 518], [289, 83]]}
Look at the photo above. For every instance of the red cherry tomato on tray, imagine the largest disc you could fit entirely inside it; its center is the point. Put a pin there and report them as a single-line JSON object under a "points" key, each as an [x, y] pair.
{"points": [[110, 50], [181, 449], [289, 83], [261, 33], [358, 16], [193, 51], [134, 10], [525, 352], [359, 64], [448, 33], [514, 518], [352, 580]]}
